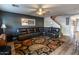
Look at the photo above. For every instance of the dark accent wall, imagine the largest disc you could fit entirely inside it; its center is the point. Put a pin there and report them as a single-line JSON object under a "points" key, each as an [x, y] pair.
{"points": [[0, 23], [13, 21]]}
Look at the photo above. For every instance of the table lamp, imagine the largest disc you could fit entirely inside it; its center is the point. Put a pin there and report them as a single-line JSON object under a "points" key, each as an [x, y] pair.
{"points": [[3, 26]]}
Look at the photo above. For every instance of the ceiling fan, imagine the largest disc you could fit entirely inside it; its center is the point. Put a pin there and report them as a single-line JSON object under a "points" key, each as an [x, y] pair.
{"points": [[41, 9], [38, 9]]}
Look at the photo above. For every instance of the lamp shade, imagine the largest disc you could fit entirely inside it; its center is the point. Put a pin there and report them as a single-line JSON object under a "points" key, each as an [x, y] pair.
{"points": [[3, 26]]}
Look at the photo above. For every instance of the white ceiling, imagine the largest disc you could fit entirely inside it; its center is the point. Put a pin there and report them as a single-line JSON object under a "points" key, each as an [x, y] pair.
{"points": [[52, 9]]}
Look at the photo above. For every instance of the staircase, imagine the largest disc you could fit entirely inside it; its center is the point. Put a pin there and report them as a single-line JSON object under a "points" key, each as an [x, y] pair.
{"points": [[53, 18]]}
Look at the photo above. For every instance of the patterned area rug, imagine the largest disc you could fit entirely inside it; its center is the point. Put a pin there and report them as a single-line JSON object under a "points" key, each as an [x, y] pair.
{"points": [[37, 46]]}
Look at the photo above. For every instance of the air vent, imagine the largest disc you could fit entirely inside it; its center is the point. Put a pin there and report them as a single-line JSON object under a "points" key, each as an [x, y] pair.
{"points": [[15, 5]]}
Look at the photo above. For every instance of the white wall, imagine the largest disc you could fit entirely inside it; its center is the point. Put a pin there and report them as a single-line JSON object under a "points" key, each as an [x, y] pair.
{"points": [[66, 29], [48, 22]]}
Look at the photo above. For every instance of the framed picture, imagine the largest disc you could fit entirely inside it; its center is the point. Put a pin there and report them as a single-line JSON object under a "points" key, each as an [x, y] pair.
{"points": [[67, 20], [27, 22]]}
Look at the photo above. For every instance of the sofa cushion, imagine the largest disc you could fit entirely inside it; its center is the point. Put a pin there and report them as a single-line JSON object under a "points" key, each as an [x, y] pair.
{"points": [[28, 30], [31, 30], [22, 37]]}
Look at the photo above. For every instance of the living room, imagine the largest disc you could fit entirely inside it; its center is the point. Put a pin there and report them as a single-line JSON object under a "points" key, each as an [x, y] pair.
{"points": [[38, 29]]}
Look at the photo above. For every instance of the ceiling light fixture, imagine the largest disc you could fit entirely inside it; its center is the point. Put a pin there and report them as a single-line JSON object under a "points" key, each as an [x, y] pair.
{"points": [[40, 11]]}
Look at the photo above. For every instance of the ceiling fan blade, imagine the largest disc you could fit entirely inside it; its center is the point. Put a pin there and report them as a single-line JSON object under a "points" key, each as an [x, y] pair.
{"points": [[49, 5], [46, 6], [31, 12], [31, 9], [30, 6]]}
